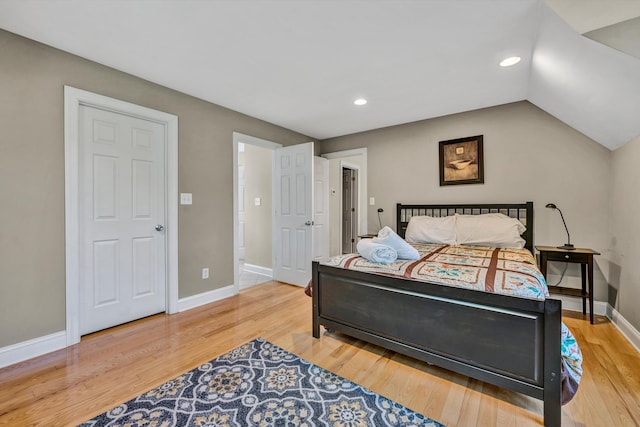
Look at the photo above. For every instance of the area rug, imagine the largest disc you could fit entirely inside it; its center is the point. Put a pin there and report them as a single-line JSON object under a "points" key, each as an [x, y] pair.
{"points": [[260, 384]]}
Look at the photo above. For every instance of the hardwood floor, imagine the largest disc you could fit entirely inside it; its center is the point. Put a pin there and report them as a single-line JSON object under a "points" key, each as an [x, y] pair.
{"points": [[72, 385]]}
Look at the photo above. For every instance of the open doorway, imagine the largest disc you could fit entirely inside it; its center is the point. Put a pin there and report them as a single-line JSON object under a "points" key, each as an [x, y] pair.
{"points": [[296, 232], [356, 161], [253, 189]]}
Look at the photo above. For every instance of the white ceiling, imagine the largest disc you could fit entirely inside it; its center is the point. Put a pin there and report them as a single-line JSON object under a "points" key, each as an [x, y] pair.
{"points": [[300, 64]]}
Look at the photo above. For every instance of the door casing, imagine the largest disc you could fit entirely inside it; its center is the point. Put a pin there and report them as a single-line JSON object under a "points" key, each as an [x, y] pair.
{"points": [[73, 98]]}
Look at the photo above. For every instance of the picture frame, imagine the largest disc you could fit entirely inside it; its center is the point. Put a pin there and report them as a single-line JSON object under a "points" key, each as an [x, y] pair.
{"points": [[462, 161]]}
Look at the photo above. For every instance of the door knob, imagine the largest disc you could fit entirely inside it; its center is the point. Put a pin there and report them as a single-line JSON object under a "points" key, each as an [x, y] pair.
{"points": [[308, 223], [159, 227]]}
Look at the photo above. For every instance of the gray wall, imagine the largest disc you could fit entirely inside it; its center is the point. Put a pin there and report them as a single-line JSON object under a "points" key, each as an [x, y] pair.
{"points": [[32, 264], [624, 293], [258, 171], [529, 156]]}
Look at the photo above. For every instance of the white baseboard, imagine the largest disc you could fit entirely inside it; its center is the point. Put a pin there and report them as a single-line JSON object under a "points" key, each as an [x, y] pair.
{"points": [[38, 346], [602, 308], [33, 348], [205, 298], [625, 328], [575, 304], [256, 269]]}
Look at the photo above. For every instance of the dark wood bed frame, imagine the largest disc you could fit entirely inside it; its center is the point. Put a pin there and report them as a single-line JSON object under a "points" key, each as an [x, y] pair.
{"points": [[507, 341]]}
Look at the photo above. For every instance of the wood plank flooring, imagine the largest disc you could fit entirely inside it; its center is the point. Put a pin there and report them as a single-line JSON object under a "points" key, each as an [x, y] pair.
{"points": [[72, 385]]}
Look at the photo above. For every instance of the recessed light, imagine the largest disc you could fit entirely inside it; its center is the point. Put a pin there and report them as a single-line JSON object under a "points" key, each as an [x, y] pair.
{"points": [[513, 60], [360, 101]]}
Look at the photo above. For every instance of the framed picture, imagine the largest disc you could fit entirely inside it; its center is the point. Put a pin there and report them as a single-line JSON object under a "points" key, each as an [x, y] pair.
{"points": [[461, 161]]}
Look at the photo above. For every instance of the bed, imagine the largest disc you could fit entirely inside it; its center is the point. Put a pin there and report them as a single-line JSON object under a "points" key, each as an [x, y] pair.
{"points": [[400, 314]]}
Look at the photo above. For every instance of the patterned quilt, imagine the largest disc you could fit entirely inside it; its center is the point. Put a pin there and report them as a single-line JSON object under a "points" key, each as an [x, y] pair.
{"points": [[511, 272], [502, 271]]}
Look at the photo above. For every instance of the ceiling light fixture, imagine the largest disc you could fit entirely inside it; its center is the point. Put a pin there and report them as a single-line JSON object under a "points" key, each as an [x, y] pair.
{"points": [[512, 60], [360, 101]]}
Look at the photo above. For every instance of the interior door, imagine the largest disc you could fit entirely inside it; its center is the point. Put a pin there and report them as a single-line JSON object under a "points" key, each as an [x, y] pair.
{"points": [[320, 208], [122, 214], [293, 213], [354, 208], [349, 214], [241, 213]]}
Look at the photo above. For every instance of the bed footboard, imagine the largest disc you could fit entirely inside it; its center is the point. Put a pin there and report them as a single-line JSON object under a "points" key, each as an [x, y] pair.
{"points": [[453, 328]]}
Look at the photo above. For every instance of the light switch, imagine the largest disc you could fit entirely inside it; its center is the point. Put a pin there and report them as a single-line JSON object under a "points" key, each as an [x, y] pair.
{"points": [[372, 201], [186, 199], [257, 201]]}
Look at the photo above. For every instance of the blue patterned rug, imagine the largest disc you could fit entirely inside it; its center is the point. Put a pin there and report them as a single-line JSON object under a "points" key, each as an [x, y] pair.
{"points": [[260, 384]]}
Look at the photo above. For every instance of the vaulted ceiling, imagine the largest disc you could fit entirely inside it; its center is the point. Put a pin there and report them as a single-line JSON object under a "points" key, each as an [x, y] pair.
{"points": [[301, 64]]}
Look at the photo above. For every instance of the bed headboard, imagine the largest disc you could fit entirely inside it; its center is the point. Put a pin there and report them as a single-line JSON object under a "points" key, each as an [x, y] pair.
{"points": [[521, 211]]}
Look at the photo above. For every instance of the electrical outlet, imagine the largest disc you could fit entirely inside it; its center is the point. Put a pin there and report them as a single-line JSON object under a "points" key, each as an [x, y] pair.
{"points": [[205, 273]]}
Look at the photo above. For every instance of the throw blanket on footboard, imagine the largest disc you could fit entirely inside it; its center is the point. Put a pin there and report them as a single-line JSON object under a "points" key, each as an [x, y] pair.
{"points": [[503, 271]]}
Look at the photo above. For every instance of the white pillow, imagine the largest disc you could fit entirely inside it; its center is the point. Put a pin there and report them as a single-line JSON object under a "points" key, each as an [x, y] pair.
{"points": [[427, 229], [494, 229]]}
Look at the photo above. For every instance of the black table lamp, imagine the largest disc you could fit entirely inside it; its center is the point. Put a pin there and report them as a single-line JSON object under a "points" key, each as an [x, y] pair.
{"points": [[567, 246], [380, 210]]}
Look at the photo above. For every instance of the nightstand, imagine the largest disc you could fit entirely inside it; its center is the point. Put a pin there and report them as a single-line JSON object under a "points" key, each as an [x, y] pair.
{"points": [[582, 256]]}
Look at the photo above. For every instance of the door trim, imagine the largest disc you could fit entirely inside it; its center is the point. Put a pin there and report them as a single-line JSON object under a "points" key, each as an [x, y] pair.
{"points": [[251, 140], [73, 99]]}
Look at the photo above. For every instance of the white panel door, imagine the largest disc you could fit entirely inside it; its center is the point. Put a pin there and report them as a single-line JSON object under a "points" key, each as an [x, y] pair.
{"points": [[293, 213], [320, 208], [122, 214], [242, 246]]}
